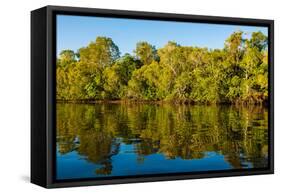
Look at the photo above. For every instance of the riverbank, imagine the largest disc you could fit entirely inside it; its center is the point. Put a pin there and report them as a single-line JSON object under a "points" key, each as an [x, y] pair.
{"points": [[176, 102]]}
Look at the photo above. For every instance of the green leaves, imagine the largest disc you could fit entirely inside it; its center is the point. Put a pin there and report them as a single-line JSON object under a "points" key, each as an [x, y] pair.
{"points": [[145, 52], [99, 54], [236, 74]]}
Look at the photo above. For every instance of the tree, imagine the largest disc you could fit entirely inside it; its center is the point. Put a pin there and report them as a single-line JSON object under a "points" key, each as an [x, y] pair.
{"points": [[95, 58], [168, 56], [258, 40], [66, 57], [99, 54], [183, 87], [255, 69], [234, 48], [117, 76], [65, 65], [145, 52], [238, 73], [144, 82]]}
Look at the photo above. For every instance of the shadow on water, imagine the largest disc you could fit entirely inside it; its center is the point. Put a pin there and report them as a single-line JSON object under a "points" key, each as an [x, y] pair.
{"points": [[118, 139]]}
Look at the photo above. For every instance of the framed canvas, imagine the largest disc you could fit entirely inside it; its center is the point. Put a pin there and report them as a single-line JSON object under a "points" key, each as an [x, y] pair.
{"points": [[126, 96]]}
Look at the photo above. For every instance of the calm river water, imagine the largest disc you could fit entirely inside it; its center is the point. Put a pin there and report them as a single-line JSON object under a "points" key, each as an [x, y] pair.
{"points": [[97, 140]]}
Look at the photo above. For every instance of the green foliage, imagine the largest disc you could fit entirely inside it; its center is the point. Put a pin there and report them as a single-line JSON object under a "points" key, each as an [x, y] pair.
{"points": [[169, 57], [99, 54], [144, 82], [238, 73], [145, 52], [66, 57], [258, 40]]}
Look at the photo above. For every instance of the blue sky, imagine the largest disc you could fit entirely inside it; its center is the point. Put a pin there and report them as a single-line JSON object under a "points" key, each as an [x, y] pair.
{"points": [[74, 32]]}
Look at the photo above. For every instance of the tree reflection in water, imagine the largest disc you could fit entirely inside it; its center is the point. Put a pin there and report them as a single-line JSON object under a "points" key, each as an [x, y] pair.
{"points": [[95, 131]]}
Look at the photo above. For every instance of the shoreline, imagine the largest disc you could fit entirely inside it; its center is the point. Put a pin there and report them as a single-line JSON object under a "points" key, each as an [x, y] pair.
{"points": [[156, 102]]}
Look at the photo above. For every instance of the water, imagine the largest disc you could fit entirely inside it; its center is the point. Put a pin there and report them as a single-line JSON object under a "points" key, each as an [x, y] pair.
{"points": [[106, 140]]}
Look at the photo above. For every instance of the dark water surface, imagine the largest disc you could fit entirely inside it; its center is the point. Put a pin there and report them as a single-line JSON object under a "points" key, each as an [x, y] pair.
{"points": [[97, 140]]}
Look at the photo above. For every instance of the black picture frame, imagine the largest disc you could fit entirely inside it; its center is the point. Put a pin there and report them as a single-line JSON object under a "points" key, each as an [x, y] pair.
{"points": [[43, 98]]}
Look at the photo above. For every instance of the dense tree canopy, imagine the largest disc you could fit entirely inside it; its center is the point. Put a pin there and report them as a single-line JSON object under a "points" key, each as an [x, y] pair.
{"points": [[238, 73], [145, 52]]}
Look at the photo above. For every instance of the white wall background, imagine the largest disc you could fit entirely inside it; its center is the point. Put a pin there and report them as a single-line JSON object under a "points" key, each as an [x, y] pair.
{"points": [[15, 94]]}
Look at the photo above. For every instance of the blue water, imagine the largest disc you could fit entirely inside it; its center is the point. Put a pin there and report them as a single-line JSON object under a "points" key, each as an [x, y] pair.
{"points": [[126, 163], [119, 140]]}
